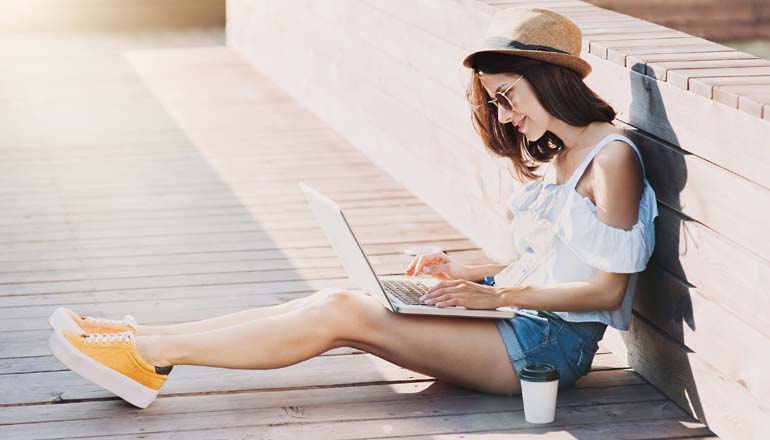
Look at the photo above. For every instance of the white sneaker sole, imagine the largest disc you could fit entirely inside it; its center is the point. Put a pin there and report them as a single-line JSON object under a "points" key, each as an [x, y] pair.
{"points": [[123, 386], [60, 319]]}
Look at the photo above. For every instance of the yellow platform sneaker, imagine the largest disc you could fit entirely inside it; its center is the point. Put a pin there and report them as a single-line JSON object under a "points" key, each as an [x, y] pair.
{"points": [[65, 319], [112, 362]]}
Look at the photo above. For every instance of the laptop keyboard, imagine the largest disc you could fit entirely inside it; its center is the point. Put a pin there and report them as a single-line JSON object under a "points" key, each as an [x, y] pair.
{"points": [[407, 291]]}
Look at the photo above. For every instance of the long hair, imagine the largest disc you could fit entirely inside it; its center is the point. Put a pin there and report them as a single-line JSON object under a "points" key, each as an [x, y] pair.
{"points": [[560, 91]]}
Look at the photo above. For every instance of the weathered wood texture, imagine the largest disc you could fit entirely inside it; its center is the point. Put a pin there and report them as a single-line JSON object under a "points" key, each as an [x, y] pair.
{"points": [[697, 110], [182, 203]]}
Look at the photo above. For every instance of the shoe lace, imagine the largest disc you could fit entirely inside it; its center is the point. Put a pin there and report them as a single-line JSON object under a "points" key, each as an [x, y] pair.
{"points": [[97, 338], [128, 320]]}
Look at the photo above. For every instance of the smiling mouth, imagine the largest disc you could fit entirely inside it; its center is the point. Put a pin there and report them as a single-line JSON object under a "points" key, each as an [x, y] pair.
{"points": [[521, 123]]}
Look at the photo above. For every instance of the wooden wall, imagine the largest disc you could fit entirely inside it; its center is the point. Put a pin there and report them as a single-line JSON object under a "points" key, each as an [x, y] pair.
{"points": [[387, 75]]}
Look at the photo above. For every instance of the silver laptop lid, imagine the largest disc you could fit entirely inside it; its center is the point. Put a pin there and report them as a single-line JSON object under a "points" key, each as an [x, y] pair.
{"points": [[337, 230]]}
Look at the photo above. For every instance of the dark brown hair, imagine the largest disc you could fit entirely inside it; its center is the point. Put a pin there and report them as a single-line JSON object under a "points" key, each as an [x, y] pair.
{"points": [[561, 92]]}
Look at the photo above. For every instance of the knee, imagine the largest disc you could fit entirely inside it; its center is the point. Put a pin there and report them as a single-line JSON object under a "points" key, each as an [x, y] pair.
{"points": [[335, 301], [349, 313]]}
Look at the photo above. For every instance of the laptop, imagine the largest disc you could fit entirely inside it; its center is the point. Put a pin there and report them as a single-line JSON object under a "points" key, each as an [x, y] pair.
{"points": [[397, 293]]}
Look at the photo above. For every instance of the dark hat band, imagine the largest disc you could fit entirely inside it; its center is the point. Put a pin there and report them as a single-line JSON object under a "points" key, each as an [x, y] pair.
{"points": [[502, 42]]}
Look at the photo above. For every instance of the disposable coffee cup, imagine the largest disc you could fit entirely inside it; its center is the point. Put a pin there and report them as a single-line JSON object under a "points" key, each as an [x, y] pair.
{"points": [[539, 384]]}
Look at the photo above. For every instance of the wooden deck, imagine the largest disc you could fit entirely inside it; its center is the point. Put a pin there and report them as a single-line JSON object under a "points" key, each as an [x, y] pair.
{"points": [[164, 184]]}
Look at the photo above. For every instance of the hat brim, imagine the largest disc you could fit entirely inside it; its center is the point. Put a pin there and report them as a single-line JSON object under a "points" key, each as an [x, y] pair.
{"points": [[566, 60]]}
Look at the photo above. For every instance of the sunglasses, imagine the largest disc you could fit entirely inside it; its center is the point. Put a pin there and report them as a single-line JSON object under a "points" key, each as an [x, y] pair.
{"points": [[505, 102]]}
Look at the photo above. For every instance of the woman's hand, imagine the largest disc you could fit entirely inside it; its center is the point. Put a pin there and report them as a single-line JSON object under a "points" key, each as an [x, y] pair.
{"points": [[437, 265], [463, 293]]}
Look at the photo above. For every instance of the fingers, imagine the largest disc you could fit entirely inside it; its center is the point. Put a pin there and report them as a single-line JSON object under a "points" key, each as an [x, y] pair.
{"points": [[434, 296], [410, 268], [457, 301], [420, 262], [415, 267], [448, 298], [441, 285]]}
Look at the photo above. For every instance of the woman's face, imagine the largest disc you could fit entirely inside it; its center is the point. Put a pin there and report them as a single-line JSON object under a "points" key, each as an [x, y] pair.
{"points": [[527, 114]]}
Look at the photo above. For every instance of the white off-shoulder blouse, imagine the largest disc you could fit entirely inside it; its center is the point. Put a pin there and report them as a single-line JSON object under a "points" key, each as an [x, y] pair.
{"points": [[560, 239]]}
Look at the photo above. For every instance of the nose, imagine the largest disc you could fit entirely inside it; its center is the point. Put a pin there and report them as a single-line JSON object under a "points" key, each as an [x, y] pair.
{"points": [[503, 115]]}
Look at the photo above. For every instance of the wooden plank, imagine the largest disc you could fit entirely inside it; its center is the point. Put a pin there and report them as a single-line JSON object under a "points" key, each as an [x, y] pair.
{"points": [[253, 231], [235, 248], [414, 426], [600, 48], [601, 28], [440, 20], [620, 55], [697, 322], [623, 36], [707, 86], [692, 383], [682, 77], [716, 266], [614, 19], [196, 243], [26, 232], [639, 62], [676, 72], [239, 247], [212, 242], [423, 391], [753, 103], [186, 226], [383, 263], [651, 429], [298, 256], [191, 215], [729, 95], [333, 409], [289, 201], [331, 187], [418, 393]]}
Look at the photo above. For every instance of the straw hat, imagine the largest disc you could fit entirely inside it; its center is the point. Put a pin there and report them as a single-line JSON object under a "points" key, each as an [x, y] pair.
{"points": [[535, 33]]}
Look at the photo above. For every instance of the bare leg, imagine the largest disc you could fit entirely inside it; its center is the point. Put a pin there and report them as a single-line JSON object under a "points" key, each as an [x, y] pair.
{"points": [[467, 352], [226, 320]]}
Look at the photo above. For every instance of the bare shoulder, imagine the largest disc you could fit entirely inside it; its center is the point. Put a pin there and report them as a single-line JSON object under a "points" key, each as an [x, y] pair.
{"points": [[618, 157], [618, 184]]}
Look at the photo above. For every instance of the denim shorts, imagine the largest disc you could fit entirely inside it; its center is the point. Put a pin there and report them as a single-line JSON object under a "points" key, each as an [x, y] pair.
{"points": [[544, 337]]}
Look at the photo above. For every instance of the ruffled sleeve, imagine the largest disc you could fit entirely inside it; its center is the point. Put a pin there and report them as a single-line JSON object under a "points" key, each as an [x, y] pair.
{"points": [[605, 247], [531, 225]]}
